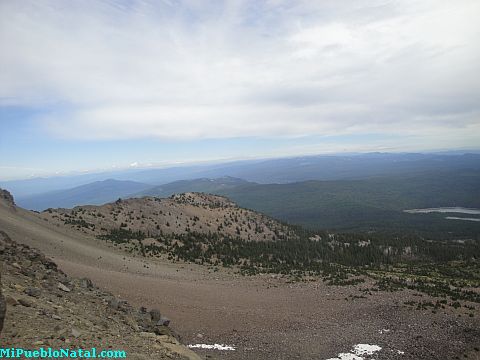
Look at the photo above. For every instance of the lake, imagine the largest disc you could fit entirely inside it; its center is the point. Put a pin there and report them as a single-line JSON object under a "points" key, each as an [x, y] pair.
{"points": [[448, 210], [458, 210]]}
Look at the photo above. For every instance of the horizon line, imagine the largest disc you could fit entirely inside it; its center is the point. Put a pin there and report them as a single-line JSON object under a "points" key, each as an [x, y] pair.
{"points": [[175, 164]]}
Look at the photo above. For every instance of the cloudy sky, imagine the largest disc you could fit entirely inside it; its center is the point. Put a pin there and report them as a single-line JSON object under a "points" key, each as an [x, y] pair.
{"points": [[88, 85]]}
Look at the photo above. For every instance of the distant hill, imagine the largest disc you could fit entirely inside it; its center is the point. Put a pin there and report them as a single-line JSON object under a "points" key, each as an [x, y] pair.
{"points": [[205, 185], [96, 193]]}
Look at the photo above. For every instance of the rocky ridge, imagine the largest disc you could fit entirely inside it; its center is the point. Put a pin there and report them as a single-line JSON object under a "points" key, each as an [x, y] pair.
{"points": [[47, 308], [179, 214], [6, 199]]}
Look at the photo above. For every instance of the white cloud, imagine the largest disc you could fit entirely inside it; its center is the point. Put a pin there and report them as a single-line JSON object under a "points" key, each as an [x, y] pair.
{"points": [[187, 70]]}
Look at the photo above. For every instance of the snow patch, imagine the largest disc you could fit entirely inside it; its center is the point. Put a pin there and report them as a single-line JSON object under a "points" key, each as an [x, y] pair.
{"points": [[212, 347], [347, 356], [366, 349], [358, 351]]}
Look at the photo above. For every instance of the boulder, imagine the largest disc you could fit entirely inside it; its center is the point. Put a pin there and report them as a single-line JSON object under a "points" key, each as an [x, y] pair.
{"points": [[33, 291], [25, 302], [118, 304], [163, 330], [143, 319], [155, 315], [62, 287], [164, 321], [28, 272], [86, 283]]}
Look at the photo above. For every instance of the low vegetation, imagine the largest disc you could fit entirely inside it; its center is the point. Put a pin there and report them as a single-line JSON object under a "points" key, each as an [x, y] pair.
{"points": [[440, 269]]}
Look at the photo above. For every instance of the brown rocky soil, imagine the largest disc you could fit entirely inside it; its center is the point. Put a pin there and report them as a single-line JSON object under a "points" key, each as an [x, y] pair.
{"points": [[47, 308]]}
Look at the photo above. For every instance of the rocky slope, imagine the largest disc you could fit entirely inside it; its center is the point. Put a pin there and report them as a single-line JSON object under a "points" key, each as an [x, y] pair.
{"points": [[47, 308], [6, 199], [179, 214], [3, 305]]}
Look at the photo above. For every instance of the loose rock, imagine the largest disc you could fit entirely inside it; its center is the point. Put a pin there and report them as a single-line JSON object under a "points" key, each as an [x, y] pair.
{"points": [[164, 321], [86, 283], [11, 301], [33, 291], [76, 333], [155, 315], [25, 302], [63, 287]]}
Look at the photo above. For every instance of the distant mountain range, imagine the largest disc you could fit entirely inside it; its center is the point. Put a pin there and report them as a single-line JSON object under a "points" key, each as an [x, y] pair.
{"points": [[367, 192], [283, 170], [356, 205], [96, 193], [101, 192]]}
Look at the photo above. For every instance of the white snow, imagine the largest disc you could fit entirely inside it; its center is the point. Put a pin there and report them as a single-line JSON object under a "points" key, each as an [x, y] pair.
{"points": [[357, 352], [212, 347], [366, 349], [347, 356]]}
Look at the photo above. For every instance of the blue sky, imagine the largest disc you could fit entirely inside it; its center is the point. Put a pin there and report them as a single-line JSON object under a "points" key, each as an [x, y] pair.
{"points": [[91, 85]]}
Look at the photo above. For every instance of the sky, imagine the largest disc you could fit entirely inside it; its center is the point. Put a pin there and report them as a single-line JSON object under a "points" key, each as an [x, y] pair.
{"points": [[94, 85]]}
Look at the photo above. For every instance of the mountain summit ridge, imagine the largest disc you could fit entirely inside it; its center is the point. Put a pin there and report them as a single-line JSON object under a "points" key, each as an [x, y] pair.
{"points": [[179, 214]]}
